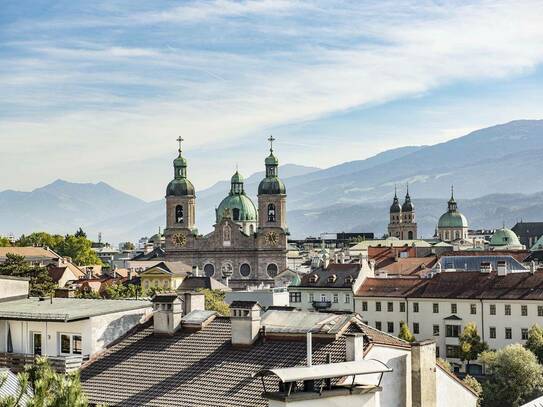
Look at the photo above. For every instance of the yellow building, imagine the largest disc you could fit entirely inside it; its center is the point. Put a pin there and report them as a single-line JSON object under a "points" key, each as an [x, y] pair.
{"points": [[167, 275]]}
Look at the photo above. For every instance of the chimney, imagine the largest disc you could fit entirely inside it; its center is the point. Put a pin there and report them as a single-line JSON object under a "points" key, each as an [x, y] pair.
{"points": [[502, 267], [423, 374], [532, 267], [354, 347], [129, 274], [196, 271], [245, 322], [309, 348], [193, 301], [168, 311]]}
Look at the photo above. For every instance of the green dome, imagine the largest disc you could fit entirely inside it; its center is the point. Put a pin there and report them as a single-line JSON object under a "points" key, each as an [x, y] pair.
{"points": [[180, 161], [271, 186], [237, 178], [180, 187], [452, 219], [504, 237], [271, 160], [240, 208]]}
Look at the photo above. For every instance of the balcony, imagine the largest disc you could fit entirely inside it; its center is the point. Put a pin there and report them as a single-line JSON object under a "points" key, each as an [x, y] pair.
{"points": [[322, 305], [61, 364]]}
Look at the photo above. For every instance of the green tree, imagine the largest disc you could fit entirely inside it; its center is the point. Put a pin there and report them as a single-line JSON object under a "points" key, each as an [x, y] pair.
{"points": [[445, 364], [41, 239], [80, 233], [4, 242], [127, 246], [41, 284], [514, 376], [535, 341], [118, 291], [79, 249], [46, 388], [474, 385], [214, 301], [471, 345], [405, 333]]}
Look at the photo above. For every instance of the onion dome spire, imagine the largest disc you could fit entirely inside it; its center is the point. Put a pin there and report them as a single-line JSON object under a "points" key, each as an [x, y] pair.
{"points": [[271, 185], [407, 205], [395, 207], [180, 185]]}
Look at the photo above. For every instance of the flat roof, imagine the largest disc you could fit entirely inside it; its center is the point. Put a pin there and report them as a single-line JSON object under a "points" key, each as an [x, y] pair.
{"points": [[65, 309], [329, 370]]}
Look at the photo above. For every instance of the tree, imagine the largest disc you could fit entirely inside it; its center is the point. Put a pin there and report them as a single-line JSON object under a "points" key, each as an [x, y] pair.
{"points": [[514, 376], [80, 233], [46, 388], [127, 246], [4, 242], [405, 333], [41, 284], [41, 239], [471, 345], [214, 301], [444, 364], [79, 249], [474, 385], [535, 341]]}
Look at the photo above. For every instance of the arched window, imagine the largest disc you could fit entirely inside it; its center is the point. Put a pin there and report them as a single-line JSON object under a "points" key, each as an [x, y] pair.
{"points": [[410, 235], [179, 214], [235, 213], [209, 270], [245, 270], [271, 213], [272, 270]]}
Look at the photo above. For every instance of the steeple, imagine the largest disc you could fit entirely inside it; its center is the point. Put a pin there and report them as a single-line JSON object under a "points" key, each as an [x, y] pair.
{"points": [[271, 185], [180, 163], [236, 184], [180, 185], [395, 207], [407, 205], [452, 203]]}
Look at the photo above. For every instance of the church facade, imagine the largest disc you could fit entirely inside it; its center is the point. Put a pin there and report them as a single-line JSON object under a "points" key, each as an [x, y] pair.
{"points": [[402, 224], [248, 244]]}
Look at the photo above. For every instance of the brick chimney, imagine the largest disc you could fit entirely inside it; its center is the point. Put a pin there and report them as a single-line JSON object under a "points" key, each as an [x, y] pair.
{"points": [[423, 373], [245, 322]]}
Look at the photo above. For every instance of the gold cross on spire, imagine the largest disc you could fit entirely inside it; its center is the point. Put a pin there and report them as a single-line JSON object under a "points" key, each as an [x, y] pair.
{"points": [[271, 139], [180, 140]]}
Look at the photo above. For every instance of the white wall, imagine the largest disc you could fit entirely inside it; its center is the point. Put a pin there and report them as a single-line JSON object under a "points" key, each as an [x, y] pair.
{"points": [[359, 400], [12, 287], [306, 304], [450, 391]]}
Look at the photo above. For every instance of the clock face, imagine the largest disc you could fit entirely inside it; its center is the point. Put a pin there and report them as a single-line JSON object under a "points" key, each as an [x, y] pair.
{"points": [[179, 239], [272, 238]]}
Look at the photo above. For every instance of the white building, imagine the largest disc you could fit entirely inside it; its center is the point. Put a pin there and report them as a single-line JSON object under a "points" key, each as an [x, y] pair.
{"points": [[503, 307]]}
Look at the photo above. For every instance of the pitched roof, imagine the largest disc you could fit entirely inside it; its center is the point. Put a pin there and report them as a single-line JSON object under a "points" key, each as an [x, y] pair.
{"points": [[408, 266], [177, 268], [30, 252], [341, 272], [193, 283], [473, 263], [199, 368], [387, 287], [519, 255], [10, 387]]}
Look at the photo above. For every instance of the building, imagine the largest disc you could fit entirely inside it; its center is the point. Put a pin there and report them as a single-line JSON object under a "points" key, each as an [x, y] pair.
{"points": [[453, 225], [66, 330], [250, 359], [268, 297], [248, 245], [528, 232], [403, 224], [505, 239], [36, 256], [482, 263], [165, 275], [502, 306]]}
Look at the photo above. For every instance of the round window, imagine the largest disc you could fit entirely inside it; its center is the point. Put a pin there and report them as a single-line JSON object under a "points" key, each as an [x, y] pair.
{"points": [[209, 270], [245, 270], [272, 270]]}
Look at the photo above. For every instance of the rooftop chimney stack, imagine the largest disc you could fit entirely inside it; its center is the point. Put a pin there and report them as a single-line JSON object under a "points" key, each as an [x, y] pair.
{"points": [[193, 301], [502, 268], [168, 311], [354, 347], [423, 374], [245, 322]]}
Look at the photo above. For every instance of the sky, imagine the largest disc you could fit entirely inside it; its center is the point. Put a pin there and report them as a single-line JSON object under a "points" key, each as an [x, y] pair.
{"points": [[99, 91]]}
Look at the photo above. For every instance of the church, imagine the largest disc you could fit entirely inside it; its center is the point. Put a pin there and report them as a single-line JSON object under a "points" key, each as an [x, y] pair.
{"points": [[248, 244], [402, 224]]}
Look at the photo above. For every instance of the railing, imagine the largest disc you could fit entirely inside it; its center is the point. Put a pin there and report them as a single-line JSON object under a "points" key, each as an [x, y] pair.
{"points": [[61, 364], [322, 304]]}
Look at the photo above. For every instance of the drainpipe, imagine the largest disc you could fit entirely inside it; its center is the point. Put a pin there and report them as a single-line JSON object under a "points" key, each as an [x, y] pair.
{"points": [[309, 338], [482, 326]]}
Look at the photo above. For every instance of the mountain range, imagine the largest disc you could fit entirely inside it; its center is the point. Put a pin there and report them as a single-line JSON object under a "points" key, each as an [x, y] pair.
{"points": [[495, 172]]}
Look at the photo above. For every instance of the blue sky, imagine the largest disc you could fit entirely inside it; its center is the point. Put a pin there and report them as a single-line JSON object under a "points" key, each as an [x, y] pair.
{"points": [[99, 91]]}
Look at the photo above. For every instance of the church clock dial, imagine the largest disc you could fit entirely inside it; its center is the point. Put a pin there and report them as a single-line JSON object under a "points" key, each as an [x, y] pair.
{"points": [[272, 238], [179, 239]]}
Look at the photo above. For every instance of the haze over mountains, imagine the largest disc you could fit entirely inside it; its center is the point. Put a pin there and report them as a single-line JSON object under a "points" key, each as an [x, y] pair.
{"points": [[495, 172]]}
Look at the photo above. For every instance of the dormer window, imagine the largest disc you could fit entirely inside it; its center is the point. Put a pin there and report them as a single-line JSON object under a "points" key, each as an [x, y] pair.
{"points": [[332, 278], [313, 278], [349, 280]]}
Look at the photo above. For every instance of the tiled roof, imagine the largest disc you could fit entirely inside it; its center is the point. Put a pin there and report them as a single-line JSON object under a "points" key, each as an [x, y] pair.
{"points": [[199, 368], [194, 283], [177, 268], [409, 266], [29, 251], [341, 272], [461, 285]]}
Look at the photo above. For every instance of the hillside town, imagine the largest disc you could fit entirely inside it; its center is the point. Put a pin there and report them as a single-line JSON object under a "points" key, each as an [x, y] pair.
{"points": [[345, 317]]}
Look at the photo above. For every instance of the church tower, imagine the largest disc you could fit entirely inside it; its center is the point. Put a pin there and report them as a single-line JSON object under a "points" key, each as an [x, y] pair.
{"points": [[394, 225], [409, 225], [180, 203], [272, 195]]}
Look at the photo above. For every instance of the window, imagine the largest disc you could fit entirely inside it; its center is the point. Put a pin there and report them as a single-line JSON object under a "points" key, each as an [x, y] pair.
{"points": [[245, 270], [70, 344], [436, 330], [390, 306], [507, 309], [323, 297], [390, 327], [36, 343], [540, 310], [378, 306], [452, 331], [209, 270], [272, 270], [524, 310], [364, 305], [473, 309], [179, 214], [435, 308], [437, 351], [415, 307], [336, 298], [492, 332], [295, 297], [311, 297], [378, 325], [271, 213], [235, 214], [347, 298], [454, 309], [492, 309], [453, 351], [524, 334], [416, 329], [402, 306], [508, 333]]}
